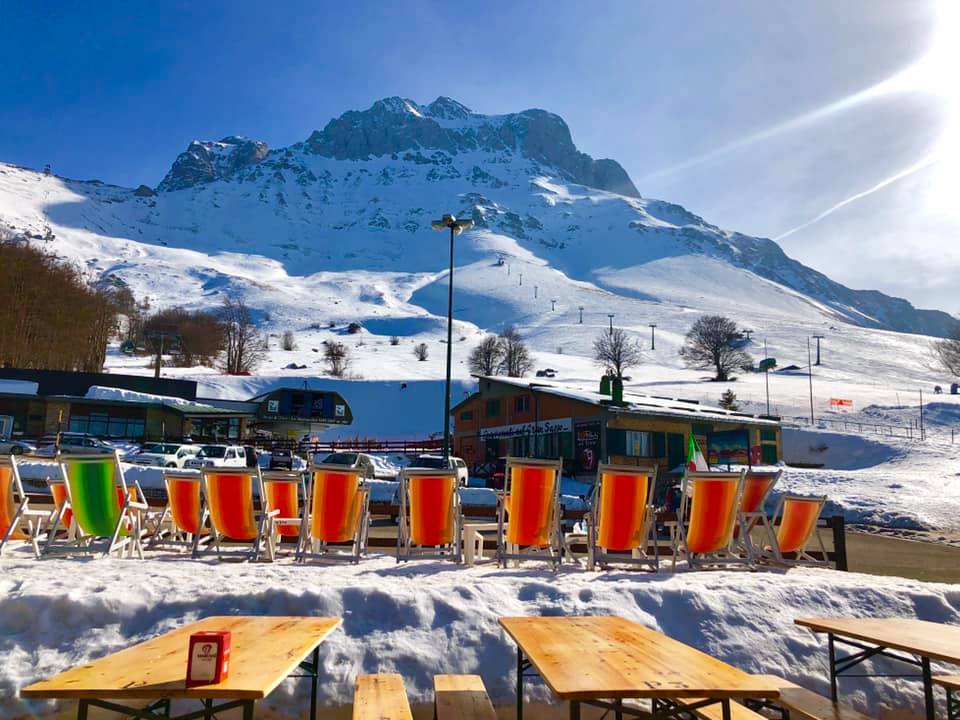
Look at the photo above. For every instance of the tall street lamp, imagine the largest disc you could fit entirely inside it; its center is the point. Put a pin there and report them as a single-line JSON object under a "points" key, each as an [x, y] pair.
{"points": [[456, 227]]}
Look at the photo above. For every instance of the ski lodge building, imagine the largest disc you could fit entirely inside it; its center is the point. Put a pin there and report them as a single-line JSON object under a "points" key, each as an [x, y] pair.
{"points": [[512, 416]]}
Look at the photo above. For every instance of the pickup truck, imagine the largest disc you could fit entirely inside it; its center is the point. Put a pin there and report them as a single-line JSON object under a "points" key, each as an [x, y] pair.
{"points": [[436, 462], [218, 456], [169, 455]]}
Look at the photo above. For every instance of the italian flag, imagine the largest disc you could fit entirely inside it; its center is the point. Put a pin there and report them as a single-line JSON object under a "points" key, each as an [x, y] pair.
{"points": [[695, 460]]}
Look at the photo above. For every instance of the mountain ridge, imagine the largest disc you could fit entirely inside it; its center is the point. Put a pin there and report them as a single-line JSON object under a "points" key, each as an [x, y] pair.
{"points": [[359, 195]]}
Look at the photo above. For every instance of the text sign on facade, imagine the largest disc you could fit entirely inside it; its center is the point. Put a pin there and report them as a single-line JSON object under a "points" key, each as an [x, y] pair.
{"points": [[544, 427]]}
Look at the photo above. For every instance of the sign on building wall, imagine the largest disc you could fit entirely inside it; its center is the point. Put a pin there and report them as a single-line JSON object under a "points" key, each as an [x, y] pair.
{"points": [[587, 445], [544, 427], [728, 447]]}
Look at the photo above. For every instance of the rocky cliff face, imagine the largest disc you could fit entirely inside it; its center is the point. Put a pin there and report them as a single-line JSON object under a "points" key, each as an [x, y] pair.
{"points": [[204, 162]]}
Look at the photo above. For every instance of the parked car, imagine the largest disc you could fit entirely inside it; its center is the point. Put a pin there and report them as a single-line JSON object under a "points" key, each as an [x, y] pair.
{"points": [[547, 373], [218, 456], [170, 455], [281, 459], [10, 446], [354, 460], [436, 462], [75, 444], [250, 453]]}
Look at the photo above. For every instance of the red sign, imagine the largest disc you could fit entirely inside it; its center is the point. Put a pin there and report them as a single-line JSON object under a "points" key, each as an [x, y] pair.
{"points": [[840, 402], [208, 660]]}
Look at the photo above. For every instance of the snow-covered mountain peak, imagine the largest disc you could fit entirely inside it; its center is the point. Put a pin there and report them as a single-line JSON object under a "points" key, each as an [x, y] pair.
{"points": [[206, 161]]}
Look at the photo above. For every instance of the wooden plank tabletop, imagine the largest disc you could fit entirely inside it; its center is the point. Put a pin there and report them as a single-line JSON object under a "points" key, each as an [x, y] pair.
{"points": [[263, 652], [594, 657], [937, 641]]}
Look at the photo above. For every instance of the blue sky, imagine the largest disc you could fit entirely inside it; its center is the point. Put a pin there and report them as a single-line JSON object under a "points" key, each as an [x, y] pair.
{"points": [[760, 116]]}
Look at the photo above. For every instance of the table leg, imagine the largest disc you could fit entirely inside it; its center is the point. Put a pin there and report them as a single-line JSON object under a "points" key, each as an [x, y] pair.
{"points": [[574, 710], [82, 708], [519, 683], [725, 708], [833, 667], [314, 676], [248, 710], [927, 688], [207, 709], [618, 713]]}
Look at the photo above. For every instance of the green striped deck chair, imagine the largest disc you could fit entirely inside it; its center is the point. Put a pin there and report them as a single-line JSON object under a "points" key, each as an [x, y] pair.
{"points": [[17, 521], [107, 513]]}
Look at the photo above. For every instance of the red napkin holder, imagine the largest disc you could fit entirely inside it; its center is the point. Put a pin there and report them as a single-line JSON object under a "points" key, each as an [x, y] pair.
{"points": [[208, 660]]}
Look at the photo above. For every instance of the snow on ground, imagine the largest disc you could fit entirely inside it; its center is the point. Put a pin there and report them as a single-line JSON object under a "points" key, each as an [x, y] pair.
{"points": [[423, 618]]}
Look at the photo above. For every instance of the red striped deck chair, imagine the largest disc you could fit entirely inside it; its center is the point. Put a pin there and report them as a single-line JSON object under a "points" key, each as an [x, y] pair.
{"points": [[184, 522], [796, 522], [18, 523], [336, 526], [430, 516], [285, 492], [620, 524], [239, 529], [709, 507], [757, 486], [108, 513], [528, 512]]}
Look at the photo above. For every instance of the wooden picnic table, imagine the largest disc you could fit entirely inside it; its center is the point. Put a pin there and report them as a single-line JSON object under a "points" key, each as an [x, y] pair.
{"points": [[915, 642], [601, 660], [264, 651]]}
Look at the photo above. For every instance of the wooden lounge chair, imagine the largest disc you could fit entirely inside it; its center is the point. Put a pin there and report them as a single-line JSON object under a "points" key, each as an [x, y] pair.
{"points": [[430, 515], [620, 523], [185, 520], [380, 697], [757, 487], [107, 512], [339, 515], [58, 491], [709, 507], [282, 491], [461, 697], [235, 522], [528, 512], [17, 521], [797, 526]]}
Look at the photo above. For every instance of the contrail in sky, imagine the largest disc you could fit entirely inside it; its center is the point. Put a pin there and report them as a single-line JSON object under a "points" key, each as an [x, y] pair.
{"points": [[916, 167]]}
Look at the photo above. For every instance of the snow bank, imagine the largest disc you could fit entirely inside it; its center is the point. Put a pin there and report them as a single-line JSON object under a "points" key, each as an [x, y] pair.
{"points": [[423, 618], [836, 451]]}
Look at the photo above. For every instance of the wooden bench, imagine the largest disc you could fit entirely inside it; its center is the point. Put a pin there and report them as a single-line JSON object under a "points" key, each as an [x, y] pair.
{"points": [[463, 697], [801, 703], [380, 697], [950, 683]]}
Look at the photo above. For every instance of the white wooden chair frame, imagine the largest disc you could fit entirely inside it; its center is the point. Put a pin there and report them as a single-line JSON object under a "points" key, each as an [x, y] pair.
{"points": [[309, 548], [250, 550], [406, 550], [32, 520], [82, 543], [725, 556], [553, 553], [282, 476]]}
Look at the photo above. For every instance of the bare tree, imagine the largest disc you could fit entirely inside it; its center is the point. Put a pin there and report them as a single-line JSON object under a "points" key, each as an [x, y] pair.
{"points": [[288, 341], [243, 345], [486, 357], [516, 360], [946, 354], [614, 351], [421, 352], [710, 344], [337, 357]]}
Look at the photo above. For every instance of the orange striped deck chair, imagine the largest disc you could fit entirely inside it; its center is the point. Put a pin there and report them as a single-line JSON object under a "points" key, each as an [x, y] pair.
{"points": [[239, 529], [185, 520], [709, 509], [17, 521], [335, 528], [107, 512], [796, 522], [285, 492], [58, 491], [757, 486], [620, 524], [528, 512], [430, 517]]}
